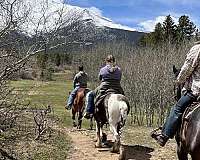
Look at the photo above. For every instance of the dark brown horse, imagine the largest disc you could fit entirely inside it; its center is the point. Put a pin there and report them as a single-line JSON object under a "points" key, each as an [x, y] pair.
{"points": [[188, 136], [78, 107]]}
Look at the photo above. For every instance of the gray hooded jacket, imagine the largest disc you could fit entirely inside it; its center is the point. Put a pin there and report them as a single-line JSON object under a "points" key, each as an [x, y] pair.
{"points": [[191, 68], [80, 79]]}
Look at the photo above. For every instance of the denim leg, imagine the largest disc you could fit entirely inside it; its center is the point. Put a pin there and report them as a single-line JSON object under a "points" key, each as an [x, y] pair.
{"points": [[90, 102], [72, 97], [174, 119]]}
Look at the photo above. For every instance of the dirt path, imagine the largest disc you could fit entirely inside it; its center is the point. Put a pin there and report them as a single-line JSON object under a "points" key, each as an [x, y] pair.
{"points": [[83, 149]]}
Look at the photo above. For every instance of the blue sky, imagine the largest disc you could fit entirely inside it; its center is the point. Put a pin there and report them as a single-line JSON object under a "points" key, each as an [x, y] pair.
{"points": [[142, 14]]}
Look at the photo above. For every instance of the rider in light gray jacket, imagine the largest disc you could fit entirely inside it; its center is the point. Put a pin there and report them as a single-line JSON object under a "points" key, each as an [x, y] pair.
{"points": [[190, 69]]}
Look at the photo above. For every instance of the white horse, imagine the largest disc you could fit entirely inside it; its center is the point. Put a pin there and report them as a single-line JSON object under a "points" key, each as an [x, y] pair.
{"points": [[117, 108]]}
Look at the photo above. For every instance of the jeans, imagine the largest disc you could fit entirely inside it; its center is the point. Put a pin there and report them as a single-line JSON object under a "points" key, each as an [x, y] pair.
{"points": [[90, 102], [174, 119], [72, 96]]}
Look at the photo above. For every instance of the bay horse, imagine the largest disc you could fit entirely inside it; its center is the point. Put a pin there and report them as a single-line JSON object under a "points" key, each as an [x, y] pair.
{"points": [[188, 135], [78, 107], [114, 110]]}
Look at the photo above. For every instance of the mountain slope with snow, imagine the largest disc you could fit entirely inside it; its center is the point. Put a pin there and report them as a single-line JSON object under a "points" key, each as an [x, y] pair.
{"points": [[44, 15]]}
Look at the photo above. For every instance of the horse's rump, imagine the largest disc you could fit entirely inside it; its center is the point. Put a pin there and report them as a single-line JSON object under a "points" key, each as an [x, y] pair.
{"points": [[101, 106], [79, 99]]}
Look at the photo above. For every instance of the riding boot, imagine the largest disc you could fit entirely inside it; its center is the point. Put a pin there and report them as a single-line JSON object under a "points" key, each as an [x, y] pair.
{"points": [[90, 105], [160, 138], [71, 98]]}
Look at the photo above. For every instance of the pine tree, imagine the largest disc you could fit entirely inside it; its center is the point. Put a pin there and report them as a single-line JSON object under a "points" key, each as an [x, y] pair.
{"points": [[169, 29], [185, 28], [158, 33]]}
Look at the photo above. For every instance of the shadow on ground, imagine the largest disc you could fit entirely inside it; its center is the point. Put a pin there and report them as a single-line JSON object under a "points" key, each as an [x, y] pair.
{"points": [[137, 152]]}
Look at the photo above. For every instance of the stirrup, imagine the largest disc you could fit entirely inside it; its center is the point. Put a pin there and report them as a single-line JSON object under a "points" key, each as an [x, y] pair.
{"points": [[88, 115], [154, 133]]}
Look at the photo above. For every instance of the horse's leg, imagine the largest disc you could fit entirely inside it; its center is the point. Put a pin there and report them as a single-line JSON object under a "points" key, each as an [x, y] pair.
{"points": [[91, 123], [74, 117], [182, 155], [80, 116], [103, 135], [116, 144], [98, 130]]}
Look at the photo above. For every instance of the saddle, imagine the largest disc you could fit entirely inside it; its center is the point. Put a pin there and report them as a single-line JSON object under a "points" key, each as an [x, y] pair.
{"points": [[100, 98], [101, 105], [85, 90]]}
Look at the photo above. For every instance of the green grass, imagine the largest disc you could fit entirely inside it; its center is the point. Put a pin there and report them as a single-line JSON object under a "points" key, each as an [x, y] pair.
{"points": [[40, 94], [53, 93]]}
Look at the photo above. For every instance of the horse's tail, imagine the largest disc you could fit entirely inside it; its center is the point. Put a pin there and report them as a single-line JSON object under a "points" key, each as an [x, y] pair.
{"points": [[126, 104], [118, 108], [124, 110]]}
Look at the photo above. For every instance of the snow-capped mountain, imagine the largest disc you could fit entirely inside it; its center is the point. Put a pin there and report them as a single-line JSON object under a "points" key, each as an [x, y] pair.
{"points": [[44, 15], [101, 21], [37, 17]]}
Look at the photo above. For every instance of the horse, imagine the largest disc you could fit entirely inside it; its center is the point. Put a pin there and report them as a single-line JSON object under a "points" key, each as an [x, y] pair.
{"points": [[114, 110], [188, 135], [78, 107]]}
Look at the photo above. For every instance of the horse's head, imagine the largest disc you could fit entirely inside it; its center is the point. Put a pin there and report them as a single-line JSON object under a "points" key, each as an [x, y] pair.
{"points": [[177, 89]]}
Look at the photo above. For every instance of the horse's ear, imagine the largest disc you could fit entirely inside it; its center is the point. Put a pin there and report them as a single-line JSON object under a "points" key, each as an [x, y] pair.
{"points": [[174, 69]]}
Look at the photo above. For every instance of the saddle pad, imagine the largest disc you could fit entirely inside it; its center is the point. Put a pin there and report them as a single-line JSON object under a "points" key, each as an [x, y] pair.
{"points": [[186, 117]]}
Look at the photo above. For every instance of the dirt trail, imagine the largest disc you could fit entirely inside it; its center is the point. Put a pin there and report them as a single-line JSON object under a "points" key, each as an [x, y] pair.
{"points": [[84, 149]]}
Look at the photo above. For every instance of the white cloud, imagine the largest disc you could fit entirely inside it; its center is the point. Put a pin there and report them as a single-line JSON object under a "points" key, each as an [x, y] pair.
{"points": [[149, 25]]}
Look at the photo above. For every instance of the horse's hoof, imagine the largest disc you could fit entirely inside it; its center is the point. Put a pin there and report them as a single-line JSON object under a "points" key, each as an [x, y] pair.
{"points": [[122, 155], [104, 137], [97, 145], [115, 148]]}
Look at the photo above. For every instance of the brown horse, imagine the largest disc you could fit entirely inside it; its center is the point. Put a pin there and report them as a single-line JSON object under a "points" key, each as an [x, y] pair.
{"points": [[78, 107], [188, 136]]}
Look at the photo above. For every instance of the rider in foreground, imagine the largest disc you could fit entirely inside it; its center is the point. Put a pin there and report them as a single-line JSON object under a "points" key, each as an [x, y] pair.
{"points": [[110, 77], [80, 81], [191, 68]]}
